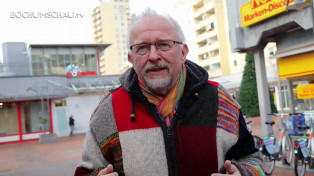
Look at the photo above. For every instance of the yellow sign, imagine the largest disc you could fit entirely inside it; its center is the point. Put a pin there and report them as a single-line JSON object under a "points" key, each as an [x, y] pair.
{"points": [[259, 10], [296, 65], [306, 91]]}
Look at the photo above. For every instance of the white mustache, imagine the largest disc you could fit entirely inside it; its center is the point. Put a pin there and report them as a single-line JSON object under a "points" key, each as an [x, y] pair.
{"points": [[151, 66]]}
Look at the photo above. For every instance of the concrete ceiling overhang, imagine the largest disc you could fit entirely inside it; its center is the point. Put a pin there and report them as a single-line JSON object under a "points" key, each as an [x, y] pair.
{"points": [[247, 39]]}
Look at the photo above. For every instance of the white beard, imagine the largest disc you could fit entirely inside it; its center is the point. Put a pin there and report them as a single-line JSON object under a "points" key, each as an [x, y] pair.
{"points": [[158, 84]]}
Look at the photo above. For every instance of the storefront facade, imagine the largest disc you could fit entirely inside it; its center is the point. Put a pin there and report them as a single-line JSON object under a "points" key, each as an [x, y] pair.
{"points": [[253, 24], [38, 96]]}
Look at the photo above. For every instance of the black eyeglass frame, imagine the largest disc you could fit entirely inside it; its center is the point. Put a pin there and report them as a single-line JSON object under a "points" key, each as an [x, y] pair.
{"points": [[174, 42]]}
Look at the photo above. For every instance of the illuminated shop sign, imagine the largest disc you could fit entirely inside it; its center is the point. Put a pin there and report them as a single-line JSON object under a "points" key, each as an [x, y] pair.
{"points": [[258, 10], [305, 91]]}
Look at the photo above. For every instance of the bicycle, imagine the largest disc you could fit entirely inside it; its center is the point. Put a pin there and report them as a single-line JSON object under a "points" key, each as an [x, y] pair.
{"points": [[273, 152], [257, 139], [304, 150]]}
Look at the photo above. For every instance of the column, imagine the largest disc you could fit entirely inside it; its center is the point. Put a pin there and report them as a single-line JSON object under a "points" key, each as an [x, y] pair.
{"points": [[262, 90]]}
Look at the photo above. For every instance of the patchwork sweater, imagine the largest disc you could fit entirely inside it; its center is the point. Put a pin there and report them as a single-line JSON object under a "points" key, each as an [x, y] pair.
{"points": [[208, 128]]}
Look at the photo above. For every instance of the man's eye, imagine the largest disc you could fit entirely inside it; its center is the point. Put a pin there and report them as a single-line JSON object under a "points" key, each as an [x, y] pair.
{"points": [[142, 47], [163, 44]]}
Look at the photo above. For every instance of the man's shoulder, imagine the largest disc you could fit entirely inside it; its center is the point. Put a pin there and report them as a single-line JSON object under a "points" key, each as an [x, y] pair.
{"points": [[223, 93], [105, 104]]}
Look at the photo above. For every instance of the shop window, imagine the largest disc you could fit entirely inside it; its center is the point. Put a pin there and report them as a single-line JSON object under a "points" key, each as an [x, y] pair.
{"points": [[9, 119], [285, 97], [34, 114]]}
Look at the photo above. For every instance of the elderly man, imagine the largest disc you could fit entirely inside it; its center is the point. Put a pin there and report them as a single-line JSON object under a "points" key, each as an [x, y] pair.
{"points": [[167, 118]]}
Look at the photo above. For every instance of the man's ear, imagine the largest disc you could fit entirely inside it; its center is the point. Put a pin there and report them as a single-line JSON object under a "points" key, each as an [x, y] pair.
{"points": [[185, 51], [130, 59]]}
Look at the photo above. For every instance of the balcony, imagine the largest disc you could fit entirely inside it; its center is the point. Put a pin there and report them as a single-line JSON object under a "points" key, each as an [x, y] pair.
{"points": [[202, 23], [196, 2], [207, 48], [209, 7], [206, 35], [203, 63], [214, 59]]}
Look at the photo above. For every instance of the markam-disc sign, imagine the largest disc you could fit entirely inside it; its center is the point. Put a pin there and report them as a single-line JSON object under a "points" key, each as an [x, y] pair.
{"points": [[258, 10], [305, 91]]}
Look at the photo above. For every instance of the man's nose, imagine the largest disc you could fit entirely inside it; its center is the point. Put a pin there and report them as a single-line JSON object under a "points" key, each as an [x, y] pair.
{"points": [[153, 53]]}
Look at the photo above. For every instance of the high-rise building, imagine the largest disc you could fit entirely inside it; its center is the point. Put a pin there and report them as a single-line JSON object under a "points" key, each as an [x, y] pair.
{"points": [[110, 22], [211, 36]]}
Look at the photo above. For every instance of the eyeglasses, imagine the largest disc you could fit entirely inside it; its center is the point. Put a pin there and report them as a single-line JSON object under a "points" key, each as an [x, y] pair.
{"points": [[143, 48]]}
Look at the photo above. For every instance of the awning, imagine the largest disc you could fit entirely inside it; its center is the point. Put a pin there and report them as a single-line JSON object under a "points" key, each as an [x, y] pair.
{"points": [[296, 65]]}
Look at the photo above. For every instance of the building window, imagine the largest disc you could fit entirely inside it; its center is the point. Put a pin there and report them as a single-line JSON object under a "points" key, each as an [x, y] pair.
{"points": [[214, 67], [214, 53], [235, 62], [91, 62], [271, 51], [35, 116], [212, 25], [9, 119], [60, 103], [205, 56], [207, 68], [37, 65], [285, 96], [78, 61]]}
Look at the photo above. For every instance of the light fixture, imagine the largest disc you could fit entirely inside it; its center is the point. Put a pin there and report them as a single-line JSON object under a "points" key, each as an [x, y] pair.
{"points": [[298, 4]]}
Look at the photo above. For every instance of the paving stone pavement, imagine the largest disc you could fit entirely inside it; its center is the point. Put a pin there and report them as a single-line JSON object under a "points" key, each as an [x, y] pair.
{"points": [[60, 158], [35, 159]]}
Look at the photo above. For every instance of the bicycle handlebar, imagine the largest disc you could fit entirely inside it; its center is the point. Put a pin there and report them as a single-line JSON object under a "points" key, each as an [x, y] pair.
{"points": [[277, 114], [271, 123]]}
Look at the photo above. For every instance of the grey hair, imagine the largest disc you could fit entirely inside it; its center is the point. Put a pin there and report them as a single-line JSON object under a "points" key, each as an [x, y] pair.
{"points": [[149, 12]]}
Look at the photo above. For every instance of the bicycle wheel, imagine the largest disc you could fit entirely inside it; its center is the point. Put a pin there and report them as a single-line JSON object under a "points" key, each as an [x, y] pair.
{"points": [[257, 141], [299, 166], [268, 164], [287, 150]]}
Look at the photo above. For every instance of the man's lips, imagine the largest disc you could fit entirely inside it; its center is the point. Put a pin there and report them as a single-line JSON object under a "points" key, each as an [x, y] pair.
{"points": [[156, 69]]}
